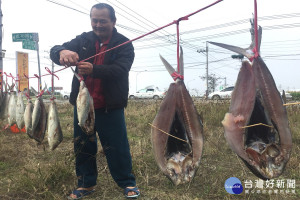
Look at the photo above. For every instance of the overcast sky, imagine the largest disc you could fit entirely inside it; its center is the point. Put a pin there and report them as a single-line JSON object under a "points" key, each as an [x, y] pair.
{"points": [[226, 22]]}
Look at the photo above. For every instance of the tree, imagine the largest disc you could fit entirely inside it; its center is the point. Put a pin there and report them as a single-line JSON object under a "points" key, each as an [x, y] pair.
{"points": [[213, 82]]}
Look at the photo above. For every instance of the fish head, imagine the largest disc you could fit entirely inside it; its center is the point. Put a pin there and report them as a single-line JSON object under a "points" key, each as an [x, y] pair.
{"points": [[188, 168], [265, 160], [174, 171], [180, 168], [82, 85]]}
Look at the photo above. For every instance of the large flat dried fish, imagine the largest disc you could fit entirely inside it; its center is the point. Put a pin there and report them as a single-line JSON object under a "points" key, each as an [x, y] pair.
{"points": [[264, 148], [178, 156]]}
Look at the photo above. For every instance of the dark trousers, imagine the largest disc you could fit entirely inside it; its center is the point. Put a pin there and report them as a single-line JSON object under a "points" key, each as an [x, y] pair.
{"points": [[111, 129]]}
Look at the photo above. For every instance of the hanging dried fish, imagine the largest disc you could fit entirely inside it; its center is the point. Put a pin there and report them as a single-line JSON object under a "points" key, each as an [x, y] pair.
{"points": [[54, 131], [85, 108], [39, 119], [28, 117], [266, 148], [177, 132], [12, 107], [20, 111]]}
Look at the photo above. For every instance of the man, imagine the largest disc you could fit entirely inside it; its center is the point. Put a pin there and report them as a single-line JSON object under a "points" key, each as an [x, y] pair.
{"points": [[106, 77]]}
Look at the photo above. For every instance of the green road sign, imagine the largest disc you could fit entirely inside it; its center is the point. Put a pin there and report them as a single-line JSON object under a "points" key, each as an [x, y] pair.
{"points": [[19, 37], [27, 44]]}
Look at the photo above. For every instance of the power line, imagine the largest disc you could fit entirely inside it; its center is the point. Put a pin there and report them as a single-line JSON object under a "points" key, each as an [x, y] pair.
{"points": [[78, 5], [67, 7]]}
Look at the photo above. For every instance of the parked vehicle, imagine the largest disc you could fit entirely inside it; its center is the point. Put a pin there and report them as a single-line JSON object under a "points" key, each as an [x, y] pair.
{"points": [[287, 95], [147, 93], [66, 95], [226, 94], [222, 94]]}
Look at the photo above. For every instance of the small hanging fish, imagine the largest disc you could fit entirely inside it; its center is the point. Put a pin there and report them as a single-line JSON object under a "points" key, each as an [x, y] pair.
{"points": [[85, 108], [55, 135], [20, 111], [28, 117], [5, 103], [39, 119], [12, 107]]}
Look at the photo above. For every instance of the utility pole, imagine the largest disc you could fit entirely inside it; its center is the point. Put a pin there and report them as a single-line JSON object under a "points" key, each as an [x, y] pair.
{"points": [[1, 53], [205, 51], [225, 84], [206, 70], [39, 65]]}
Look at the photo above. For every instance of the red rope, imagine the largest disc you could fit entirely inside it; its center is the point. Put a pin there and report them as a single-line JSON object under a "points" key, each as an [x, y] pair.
{"points": [[174, 22], [255, 50], [5, 77], [28, 94], [52, 81], [176, 75], [51, 73], [13, 79], [37, 76], [19, 80]]}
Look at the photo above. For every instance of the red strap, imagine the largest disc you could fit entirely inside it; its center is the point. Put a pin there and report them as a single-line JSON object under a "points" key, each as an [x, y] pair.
{"points": [[51, 73], [256, 54], [176, 75], [255, 50]]}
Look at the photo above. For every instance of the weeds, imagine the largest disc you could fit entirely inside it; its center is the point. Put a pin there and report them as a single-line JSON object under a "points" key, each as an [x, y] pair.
{"points": [[31, 171]]}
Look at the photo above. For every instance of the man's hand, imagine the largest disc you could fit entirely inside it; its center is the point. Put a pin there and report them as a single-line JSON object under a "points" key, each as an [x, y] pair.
{"points": [[69, 58], [85, 68]]}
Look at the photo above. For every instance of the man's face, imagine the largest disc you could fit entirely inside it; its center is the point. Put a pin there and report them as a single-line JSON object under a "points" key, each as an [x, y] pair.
{"points": [[101, 23]]}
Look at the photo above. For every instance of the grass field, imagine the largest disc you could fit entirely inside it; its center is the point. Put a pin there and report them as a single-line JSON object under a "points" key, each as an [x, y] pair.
{"points": [[31, 171]]}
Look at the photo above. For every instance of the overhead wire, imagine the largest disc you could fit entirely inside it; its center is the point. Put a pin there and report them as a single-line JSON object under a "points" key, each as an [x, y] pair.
{"points": [[187, 42], [150, 26], [78, 5]]}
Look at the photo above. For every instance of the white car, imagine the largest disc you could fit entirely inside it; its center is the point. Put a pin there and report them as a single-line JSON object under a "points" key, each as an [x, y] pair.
{"points": [[66, 95], [287, 95], [147, 93], [222, 94], [226, 94]]}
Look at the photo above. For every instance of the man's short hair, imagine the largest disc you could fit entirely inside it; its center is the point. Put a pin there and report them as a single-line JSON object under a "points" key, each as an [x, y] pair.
{"points": [[111, 10]]}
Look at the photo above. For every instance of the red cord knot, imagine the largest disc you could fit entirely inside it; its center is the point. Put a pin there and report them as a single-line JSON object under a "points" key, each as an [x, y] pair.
{"points": [[36, 75], [11, 76], [52, 98], [41, 93], [26, 94], [180, 19], [183, 18], [176, 75], [51, 73], [26, 76], [256, 54]]}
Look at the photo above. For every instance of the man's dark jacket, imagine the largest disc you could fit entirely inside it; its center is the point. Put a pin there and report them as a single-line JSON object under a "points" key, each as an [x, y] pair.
{"points": [[114, 71]]}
